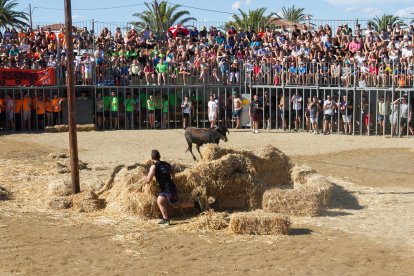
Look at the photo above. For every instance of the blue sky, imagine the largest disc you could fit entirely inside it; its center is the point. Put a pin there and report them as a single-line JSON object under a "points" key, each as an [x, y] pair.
{"points": [[320, 9]]}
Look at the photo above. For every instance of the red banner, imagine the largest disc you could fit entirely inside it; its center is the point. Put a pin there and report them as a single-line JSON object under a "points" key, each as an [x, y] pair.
{"points": [[16, 77]]}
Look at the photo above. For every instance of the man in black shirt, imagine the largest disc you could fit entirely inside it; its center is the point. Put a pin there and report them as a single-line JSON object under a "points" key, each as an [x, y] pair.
{"points": [[255, 112], [164, 174]]}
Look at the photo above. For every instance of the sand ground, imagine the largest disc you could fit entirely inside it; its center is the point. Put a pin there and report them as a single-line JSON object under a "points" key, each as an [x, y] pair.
{"points": [[368, 230]]}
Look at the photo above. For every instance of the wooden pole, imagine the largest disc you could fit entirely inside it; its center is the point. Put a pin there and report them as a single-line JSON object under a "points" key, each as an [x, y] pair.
{"points": [[73, 141]]}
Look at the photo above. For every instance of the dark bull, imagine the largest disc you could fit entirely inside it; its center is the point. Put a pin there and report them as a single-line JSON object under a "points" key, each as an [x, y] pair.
{"points": [[201, 136]]}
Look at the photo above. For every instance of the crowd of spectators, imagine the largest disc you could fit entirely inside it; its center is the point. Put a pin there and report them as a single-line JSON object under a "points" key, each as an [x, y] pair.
{"points": [[296, 56]]}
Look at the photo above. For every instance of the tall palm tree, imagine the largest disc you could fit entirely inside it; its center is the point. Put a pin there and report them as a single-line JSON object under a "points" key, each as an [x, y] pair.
{"points": [[380, 23], [9, 16], [160, 16], [253, 18], [294, 14]]}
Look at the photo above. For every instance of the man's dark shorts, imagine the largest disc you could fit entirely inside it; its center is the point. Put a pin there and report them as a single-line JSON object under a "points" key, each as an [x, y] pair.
{"points": [[237, 113], [170, 196]]}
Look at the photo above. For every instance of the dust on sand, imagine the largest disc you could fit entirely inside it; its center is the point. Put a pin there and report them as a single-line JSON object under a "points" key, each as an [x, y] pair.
{"points": [[368, 228]]}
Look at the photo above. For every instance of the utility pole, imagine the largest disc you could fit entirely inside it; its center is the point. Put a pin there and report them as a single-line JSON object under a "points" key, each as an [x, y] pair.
{"points": [[30, 16], [73, 140]]}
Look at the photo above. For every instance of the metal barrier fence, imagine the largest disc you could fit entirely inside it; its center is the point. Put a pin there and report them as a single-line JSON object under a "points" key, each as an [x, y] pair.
{"points": [[327, 110], [337, 74]]}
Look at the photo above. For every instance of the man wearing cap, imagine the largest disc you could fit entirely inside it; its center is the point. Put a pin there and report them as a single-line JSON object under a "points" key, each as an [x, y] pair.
{"points": [[164, 174], [237, 108]]}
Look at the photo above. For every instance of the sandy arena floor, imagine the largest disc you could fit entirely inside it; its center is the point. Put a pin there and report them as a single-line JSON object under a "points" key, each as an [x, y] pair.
{"points": [[369, 230]]}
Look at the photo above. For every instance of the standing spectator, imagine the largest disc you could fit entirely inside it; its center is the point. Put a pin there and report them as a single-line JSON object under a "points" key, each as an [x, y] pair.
{"points": [[87, 71], [237, 108], [328, 112], [366, 116], [40, 112], [151, 103], [165, 111], [266, 104], [256, 109], [187, 107], [383, 112], [212, 111], [129, 104], [26, 102], [114, 110], [346, 112], [297, 101], [314, 109], [57, 109], [99, 110], [9, 113]]}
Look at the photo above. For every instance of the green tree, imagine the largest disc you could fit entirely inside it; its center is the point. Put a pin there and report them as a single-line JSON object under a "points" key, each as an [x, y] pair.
{"points": [[10, 17], [380, 23], [160, 16], [253, 18], [294, 14]]}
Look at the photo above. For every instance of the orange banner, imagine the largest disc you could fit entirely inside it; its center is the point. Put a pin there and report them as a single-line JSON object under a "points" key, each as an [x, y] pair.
{"points": [[16, 77]]}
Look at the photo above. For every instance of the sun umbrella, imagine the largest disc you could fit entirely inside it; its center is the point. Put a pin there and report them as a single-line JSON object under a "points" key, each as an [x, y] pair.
{"points": [[179, 30]]}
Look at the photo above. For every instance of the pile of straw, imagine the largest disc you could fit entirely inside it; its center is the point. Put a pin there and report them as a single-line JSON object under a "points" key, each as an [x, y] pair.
{"points": [[87, 202], [4, 194], [304, 177], [65, 128], [60, 203], [59, 187], [296, 202], [58, 155], [259, 223], [63, 168], [205, 222], [129, 192]]}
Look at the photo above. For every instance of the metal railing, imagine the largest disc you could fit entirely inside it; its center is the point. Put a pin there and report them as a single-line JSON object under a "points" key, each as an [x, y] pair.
{"points": [[328, 110]]}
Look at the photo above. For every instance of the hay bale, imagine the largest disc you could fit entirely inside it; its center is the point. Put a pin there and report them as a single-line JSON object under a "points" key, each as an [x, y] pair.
{"points": [[87, 127], [4, 194], [296, 202], [60, 203], [229, 180], [259, 223], [273, 166], [59, 187], [299, 174], [306, 177], [87, 202]]}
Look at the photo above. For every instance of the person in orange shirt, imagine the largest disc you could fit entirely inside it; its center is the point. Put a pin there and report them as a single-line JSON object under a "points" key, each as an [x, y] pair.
{"points": [[61, 38], [33, 117], [50, 36], [22, 35], [48, 109], [26, 103], [41, 109], [57, 109], [17, 112]]}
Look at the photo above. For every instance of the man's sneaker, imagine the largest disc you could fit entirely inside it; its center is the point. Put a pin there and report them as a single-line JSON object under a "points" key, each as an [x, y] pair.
{"points": [[198, 206], [164, 222]]}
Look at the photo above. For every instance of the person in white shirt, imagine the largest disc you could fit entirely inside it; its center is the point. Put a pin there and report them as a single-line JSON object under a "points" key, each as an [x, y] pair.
{"points": [[297, 101], [328, 112], [87, 70], [212, 111], [186, 106]]}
